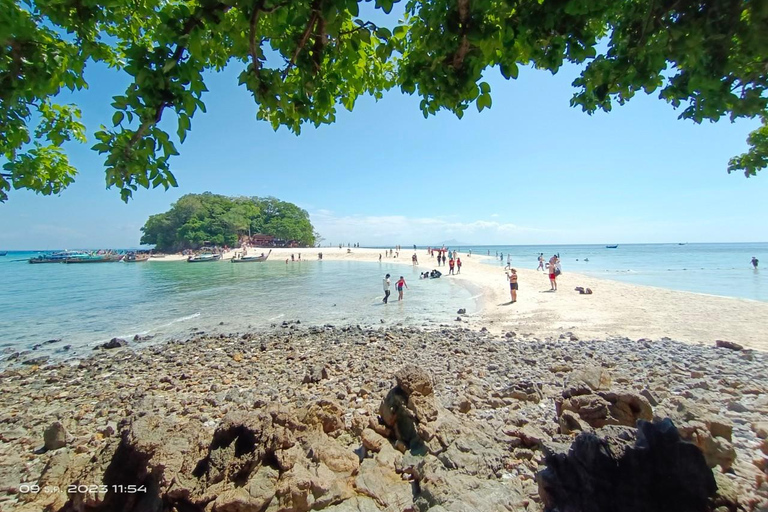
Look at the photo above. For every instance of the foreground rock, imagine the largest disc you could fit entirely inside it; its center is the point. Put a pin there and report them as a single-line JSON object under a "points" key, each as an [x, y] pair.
{"points": [[350, 420]]}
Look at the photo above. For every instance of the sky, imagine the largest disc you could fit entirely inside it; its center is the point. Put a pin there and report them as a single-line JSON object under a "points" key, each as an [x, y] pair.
{"points": [[531, 170]]}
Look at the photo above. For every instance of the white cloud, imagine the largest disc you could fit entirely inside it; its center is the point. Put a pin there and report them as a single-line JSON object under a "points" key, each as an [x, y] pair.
{"points": [[394, 229]]}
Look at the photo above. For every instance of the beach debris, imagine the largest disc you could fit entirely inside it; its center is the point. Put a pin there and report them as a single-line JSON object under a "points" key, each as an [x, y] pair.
{"points": [[643, 469], [55, 436], [728, 344]]}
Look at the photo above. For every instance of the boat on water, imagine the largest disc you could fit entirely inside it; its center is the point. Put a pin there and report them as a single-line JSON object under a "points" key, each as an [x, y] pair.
{"points": [[3, 253], [58, 257], [199, 258], [611, 246], [96, 258], [136, 257], [249, 259]]}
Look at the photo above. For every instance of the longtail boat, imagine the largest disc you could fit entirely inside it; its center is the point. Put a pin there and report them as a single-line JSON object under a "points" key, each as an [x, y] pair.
{"points": [[58, 257], [199, 258], [96, 258], [134, 257], [250, 259]]}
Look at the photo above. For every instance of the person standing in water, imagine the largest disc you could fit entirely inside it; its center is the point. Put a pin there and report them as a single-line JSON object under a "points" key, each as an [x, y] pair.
{"points": [[385, 283], [512, 276], [755, 261], [400, 284]]}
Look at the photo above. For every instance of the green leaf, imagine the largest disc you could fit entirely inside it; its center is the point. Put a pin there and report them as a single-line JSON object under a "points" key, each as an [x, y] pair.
{"points": [[117, 118]]}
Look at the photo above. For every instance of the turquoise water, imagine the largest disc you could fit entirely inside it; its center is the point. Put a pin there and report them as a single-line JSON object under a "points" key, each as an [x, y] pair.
{"points": [[89, 304], [716, 269]]}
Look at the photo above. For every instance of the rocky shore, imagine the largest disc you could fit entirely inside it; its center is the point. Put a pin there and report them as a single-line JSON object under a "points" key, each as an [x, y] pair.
{"points": [[401, 419]]}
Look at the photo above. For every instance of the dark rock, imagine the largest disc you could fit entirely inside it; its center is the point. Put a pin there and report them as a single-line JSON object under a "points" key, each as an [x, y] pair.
{"points": [[461, 311], [658, 473], [114, 343], [728, 344], [35, 361], [57, 340]]}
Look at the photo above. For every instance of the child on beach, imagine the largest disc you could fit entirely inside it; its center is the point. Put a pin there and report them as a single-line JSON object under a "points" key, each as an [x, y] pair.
{"points": [[399, 284]]}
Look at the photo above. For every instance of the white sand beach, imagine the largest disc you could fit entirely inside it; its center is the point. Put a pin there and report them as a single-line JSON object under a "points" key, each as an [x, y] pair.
{"points": [[614, 309]]}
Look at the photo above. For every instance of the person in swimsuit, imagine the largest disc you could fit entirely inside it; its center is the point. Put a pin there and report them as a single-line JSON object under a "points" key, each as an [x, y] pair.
{"points": [[552, 275], [755, 261], [458, 265], [541, 262], [512, 276], [450, 266], [399, 284]]}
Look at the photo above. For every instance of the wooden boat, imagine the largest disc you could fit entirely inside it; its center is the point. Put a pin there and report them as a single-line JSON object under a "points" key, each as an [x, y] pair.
{"points": [[134, 257], [199, 258], [96, 258], [611, 246], [58, 257], [249, 259]]}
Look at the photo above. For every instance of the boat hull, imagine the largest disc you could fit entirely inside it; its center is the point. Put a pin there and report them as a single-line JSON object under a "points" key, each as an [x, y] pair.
{"points": [[203, 259], [252, 259], [97, 259]]}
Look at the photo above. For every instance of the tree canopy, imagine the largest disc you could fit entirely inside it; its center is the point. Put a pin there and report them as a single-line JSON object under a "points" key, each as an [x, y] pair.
{"points": [[196, 220], [301, 60]]}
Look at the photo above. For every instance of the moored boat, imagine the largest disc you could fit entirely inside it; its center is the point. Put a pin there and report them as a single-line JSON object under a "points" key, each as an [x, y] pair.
{"points": [[250, 259], [58, 257], [3, 253], [96, 258], [136, 257], [199, 258], [611, 246]]}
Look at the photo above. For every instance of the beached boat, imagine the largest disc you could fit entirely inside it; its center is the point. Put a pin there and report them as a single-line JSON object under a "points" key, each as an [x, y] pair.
{"points": [[249, 259], [96, 258], [199, 258], [611, 246], [133, 257], [58, 257]]}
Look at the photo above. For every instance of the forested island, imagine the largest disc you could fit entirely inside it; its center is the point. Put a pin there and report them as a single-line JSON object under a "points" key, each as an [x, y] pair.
{"points": [[197, 220]]}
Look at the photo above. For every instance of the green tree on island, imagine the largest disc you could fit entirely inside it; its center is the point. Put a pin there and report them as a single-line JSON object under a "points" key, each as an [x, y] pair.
{"points": [[199, 219], [709, 58]]}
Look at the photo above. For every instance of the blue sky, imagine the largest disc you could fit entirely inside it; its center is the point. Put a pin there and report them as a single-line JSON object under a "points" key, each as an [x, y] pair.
{"points": [[531, 170]]}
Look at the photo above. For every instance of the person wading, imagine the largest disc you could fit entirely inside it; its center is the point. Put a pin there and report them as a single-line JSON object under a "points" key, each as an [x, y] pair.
{"points": [[386, 284]]}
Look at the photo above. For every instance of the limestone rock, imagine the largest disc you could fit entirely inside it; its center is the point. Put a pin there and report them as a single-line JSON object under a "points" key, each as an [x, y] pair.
{"points": [[413, 379], [55, 436]]}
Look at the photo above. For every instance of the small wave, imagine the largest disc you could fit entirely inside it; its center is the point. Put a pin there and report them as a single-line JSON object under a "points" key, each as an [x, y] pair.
{"points": [[182, 319], [276, 317]]}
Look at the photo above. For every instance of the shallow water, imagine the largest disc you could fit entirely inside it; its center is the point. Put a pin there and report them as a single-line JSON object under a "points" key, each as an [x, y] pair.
{"points": [[89, 304], [716, 269]]}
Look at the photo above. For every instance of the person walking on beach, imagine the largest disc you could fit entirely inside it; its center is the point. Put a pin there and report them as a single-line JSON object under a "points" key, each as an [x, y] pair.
{"points": [[386, 282], [755, 261], [399, 284], [512, 276], [541, 261], [450, 266], [458, 265]]}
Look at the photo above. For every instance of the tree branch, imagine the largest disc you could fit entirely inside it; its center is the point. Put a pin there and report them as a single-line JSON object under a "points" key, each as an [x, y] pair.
{"points": [[302, 42], [361, 27], [257, 9]]}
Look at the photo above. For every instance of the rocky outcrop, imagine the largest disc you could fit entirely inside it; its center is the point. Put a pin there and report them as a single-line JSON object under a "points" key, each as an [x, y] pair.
{"points": [[648, 470], [390, 419]]}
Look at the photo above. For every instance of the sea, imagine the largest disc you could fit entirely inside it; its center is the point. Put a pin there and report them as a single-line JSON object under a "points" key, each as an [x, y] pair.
{"points": [[89, 304]]}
